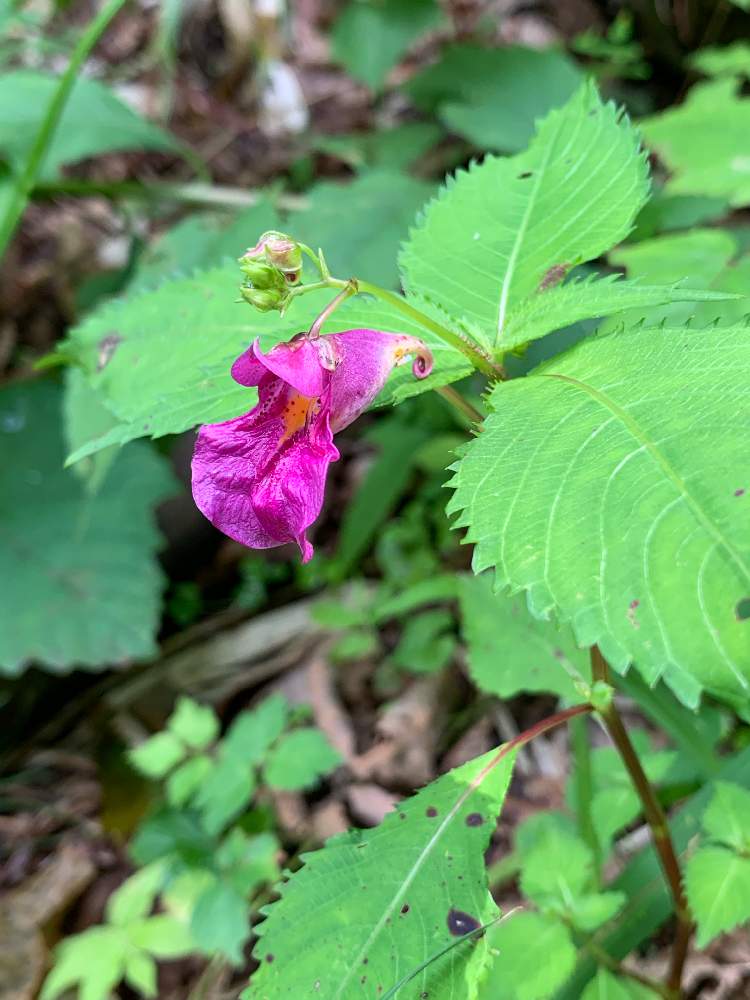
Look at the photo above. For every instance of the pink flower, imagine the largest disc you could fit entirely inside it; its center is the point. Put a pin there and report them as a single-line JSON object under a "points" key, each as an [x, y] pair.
{"points": [[260, 478]]}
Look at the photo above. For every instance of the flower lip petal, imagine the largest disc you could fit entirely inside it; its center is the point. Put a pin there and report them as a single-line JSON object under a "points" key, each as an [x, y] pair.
{"points": [[247, 369], [296, 363]]}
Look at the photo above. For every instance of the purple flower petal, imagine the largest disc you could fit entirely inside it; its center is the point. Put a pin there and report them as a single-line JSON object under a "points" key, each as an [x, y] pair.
{"points": [[366, 359], [296, 362], [260, 478]]}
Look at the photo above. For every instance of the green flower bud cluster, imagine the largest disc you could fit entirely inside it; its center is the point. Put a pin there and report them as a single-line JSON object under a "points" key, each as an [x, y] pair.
{"points": [[270, 267]]}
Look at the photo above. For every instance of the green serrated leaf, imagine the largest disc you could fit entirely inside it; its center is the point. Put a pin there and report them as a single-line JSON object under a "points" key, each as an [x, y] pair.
{"points": [[299, 760], [419, 876], [85, 417], [646, 428], [534, 954], [370, 37], [727, 818], [717, 883], [248, 862], [607, 986], [252, 733], [135, 897], [494, 96], [591, 910], [501, 232], [701, 258], [94, 959], [725, 60], [221, 921], [86, 586], [588, 298], [93, 121], [427, 643], [510, 651], [162, 936], [225, 792], [196, 725], [556, 865], [140, 973], [157, 755], [186, 779], [703, 142]]}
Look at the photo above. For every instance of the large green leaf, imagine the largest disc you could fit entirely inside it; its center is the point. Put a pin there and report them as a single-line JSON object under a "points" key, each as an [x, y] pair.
{"points": [[493, 97], [371, 36], [566, 304], [727, 60], [504, 231], [535, 955], [717, 882], [702, 258], [610, 485], [704, 142], [82, 586], [510, 651], [381, 902], [94, 121]]}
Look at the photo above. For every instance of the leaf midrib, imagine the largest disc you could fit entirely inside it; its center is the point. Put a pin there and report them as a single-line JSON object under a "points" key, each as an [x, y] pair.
{"points": [[474, 784]]}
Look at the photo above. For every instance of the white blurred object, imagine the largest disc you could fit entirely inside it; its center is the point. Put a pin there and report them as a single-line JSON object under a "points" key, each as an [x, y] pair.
{"points": [[282, 104]]}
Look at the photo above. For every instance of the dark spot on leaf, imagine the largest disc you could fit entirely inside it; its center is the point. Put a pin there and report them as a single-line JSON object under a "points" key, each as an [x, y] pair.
{"points": [[431, 812], [743, 609], [270, 958], [107, 347], [558, 654], [553, 276], [739, 493], [524, 175], [405, 908], [402, 815], [634, 605], [474, 819], [363, 980], [423, 996], [365, 961], [460, 923]]}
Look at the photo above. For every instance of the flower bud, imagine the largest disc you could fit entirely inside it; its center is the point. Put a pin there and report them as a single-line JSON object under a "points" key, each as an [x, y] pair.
{"points": [[264, 299], [281, 250], [262, 275]]}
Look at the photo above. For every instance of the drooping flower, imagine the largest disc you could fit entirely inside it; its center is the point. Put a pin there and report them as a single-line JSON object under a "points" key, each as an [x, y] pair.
{"points": [[260, 478]]}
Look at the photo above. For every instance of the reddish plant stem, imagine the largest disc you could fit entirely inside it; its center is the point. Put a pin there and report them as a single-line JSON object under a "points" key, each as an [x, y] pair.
{"points": [[551, 722], [657, 821]]}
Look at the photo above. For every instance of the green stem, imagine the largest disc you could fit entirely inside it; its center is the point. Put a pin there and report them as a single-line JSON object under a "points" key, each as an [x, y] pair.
{"points": [[604, 958], [657, 821], [584, 792], [457, 401], [26, 179], [332, 306], [478, 358]]}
